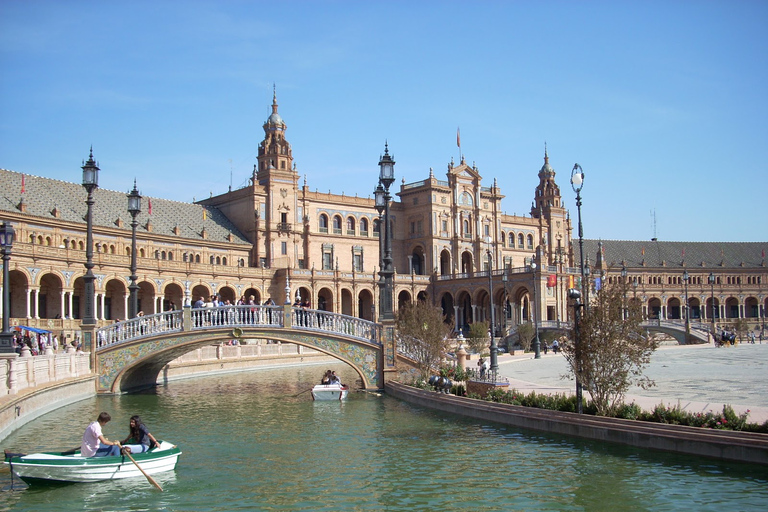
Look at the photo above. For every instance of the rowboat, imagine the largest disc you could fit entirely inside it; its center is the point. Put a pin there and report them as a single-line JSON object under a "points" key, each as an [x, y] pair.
{"points": [[330, 392], [71, 466]]}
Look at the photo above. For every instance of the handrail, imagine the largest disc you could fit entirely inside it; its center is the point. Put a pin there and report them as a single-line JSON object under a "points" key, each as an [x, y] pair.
{"points": [[239, 316]]}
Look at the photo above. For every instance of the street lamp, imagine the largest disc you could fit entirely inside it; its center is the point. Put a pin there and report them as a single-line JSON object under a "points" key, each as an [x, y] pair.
{"points": [[624, 288], [504, 281], [686, 277], [575, 294], [536, 342], [714, 314], [134, 208], [494, 347], [6, 244], [90, 183], [577, 183], [382, 198]]}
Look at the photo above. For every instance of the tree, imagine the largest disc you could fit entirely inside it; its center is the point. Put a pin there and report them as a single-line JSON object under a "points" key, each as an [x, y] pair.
{"points": [[477, 337], [525, 335], [612, 351], [423, 335]]}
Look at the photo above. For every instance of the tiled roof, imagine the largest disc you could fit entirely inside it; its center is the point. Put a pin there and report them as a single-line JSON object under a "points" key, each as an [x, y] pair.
{"points": [[43, 195], [659, 254]]}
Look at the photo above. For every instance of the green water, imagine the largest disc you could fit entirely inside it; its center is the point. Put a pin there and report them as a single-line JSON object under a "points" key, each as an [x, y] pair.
{"points": [[250, 444]]}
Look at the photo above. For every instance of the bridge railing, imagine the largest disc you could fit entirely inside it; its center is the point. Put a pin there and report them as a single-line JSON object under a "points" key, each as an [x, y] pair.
{"points": [[139, 327], [317, 320], [243, 316], [237, 316]]}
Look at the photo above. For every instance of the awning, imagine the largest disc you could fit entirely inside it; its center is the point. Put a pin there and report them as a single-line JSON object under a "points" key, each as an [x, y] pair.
{"points": [[33, 329]]}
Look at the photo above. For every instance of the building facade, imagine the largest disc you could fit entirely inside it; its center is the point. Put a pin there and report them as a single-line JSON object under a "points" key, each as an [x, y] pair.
{"points": [[275, 238]]}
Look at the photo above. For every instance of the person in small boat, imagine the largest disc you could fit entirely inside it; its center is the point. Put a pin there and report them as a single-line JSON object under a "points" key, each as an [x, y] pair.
{"points": [[326, 378], [94, 443], [335, 379], [139, 440]]}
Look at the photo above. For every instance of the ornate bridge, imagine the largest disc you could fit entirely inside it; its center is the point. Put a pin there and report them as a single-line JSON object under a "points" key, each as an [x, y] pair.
{"points": [[131, 354], [696, 333]]}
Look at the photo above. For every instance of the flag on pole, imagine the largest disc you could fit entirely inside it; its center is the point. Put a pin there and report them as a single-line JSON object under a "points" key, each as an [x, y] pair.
{"points": [[458, 137], [570, 282], [205, 214], [598, 284], [551, 281], [23, 188], [150, 206]]}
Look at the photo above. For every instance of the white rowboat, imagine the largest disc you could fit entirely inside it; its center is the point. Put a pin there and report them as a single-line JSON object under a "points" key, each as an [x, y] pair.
{"points": [[329, 392], [73, 467]]}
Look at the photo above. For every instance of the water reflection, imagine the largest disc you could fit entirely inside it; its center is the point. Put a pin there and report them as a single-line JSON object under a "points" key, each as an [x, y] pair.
{"points": [[253, 441]]}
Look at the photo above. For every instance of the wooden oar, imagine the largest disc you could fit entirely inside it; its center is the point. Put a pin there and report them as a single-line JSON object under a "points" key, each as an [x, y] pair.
{"points": [[297, 394], [151, 480]]}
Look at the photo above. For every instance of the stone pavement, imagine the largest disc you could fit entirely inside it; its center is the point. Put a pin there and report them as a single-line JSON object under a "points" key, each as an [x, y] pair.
{"points": [[697, 377]]}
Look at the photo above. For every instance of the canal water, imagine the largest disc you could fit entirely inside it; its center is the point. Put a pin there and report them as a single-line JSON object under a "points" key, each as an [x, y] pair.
{"points": [[256, 441]]}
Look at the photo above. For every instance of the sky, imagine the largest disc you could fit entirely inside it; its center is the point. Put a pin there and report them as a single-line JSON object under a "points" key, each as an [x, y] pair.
{"points": [[664, 104]]}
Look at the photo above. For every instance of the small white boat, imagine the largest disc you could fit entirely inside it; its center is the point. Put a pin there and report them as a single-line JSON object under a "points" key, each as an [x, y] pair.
{"points": [[330, 392], [73, 467]]}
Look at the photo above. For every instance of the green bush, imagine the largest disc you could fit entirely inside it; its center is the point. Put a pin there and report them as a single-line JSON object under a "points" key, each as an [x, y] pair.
{"points": [[727, 420]]}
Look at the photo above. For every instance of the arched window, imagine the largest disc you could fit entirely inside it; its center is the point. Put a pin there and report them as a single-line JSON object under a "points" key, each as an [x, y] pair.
{"points": [[337, 224], [213, 260], [197, 258], [376, 227], [502, 239], [170, 256], [224, 261], [323, 223], [364, 226], [520, 241], [185, 257], [530, 241], [350, 225]]}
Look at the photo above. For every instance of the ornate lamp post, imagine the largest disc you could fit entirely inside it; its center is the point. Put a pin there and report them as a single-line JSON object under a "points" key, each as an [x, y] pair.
{"points": [[134, 208], [577, 183], [7, 234], [382, 196], [624, 288], [504, 280], [686, 277], [536, 342], [575, 294], [494, 347], [711, 280], [90, 183]]}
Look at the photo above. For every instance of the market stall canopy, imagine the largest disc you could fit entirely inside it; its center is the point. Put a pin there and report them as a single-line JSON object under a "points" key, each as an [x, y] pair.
{"points": [[33, 329]]}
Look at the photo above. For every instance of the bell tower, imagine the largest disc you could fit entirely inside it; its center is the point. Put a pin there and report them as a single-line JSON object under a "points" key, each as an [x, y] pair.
{"points": [[547, 207], [275, 157]]}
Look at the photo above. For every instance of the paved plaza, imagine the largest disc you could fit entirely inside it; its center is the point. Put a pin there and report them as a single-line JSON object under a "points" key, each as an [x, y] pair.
{"points": [[697, 377]]}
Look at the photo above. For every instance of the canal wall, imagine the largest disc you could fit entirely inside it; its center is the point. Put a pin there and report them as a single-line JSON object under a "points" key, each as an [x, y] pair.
{"points": [[238, 358], [32, 386], [720, 444]]}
